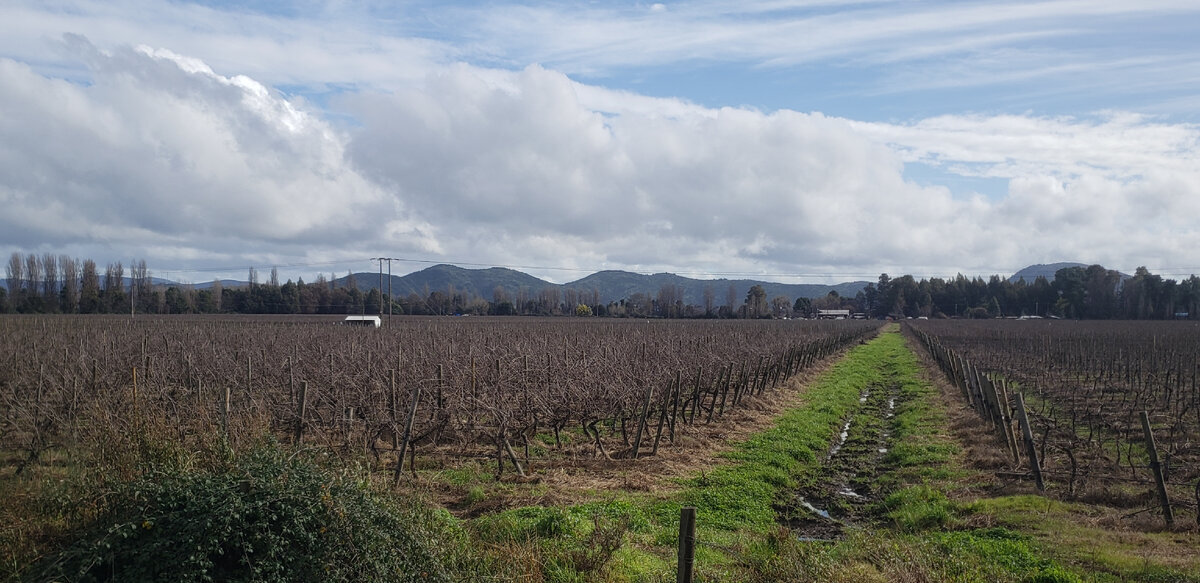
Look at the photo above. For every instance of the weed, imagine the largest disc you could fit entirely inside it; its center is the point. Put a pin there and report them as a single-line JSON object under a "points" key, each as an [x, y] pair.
{"points": [[267, 515]]}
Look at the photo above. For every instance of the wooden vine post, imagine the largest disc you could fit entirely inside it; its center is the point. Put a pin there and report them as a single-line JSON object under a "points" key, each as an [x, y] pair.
{"points": [[687, 544], [300, 414], [1030, 450], [1159, 482], [637, 440], [225, 411], [408, 425]]}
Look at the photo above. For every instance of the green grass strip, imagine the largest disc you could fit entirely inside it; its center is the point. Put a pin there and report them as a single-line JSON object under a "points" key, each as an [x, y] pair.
{"points": [[741, 495]]}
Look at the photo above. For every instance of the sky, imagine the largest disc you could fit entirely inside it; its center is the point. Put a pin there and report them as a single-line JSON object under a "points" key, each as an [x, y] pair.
{"points": [[811, 141]]}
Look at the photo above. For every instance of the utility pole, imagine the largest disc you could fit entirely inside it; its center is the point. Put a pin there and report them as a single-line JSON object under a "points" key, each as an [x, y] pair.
{"points": [[380, 259], [389, 286]]}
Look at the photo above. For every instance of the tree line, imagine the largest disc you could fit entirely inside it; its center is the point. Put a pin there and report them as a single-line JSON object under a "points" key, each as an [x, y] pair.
{"points": [[1091, 293], [49, 283]]}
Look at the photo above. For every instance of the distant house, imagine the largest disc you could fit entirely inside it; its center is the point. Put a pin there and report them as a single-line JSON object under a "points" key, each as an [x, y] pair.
{"points": [[833, 314], [362, 321]]}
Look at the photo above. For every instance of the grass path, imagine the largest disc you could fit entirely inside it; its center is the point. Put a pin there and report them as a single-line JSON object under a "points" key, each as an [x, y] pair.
{"points": [[906, 529]]}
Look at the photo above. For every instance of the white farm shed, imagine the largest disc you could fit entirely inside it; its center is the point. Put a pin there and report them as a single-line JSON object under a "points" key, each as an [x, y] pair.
{"points": [[833, 314], [362, 321]]}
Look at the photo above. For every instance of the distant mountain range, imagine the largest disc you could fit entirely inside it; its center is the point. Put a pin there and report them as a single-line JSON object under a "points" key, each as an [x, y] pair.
{"points": [[609, 285]]}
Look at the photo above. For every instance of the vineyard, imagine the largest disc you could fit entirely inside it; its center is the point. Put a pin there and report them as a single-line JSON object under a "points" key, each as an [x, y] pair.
{"points": [[516, 391], [1088, 386], [555, 449]]}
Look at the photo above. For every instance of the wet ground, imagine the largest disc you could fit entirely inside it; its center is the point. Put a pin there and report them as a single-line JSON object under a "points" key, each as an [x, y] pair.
{"points": [[841, 494]]}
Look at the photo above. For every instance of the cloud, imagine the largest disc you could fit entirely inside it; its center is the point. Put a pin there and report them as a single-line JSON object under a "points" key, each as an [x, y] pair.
{"points": [[159, 150], [1115, 187], [585, 38], [1121, 145], [159, 156], [319, 48], [678, 187]]}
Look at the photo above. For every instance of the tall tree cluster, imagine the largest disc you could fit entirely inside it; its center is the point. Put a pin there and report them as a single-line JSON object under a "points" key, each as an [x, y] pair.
{"points": [[1092, 292]]}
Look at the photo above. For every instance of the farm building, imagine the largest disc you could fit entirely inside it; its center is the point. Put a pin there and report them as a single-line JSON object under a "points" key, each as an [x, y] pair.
{"points": [[833, 314], [362, 321]]}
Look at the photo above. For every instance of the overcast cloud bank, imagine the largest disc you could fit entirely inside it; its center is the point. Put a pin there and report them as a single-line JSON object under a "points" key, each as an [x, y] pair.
{"points": [[150, 153]]}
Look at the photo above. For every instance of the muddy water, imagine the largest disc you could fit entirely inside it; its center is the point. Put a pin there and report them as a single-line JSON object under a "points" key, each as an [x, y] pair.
{"points": [[845, 486]]}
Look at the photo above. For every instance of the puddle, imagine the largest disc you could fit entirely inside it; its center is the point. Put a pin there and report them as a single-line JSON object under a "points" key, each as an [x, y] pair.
{"points": [[809, 507], [837, 446], [849, 493], [847, 484]]}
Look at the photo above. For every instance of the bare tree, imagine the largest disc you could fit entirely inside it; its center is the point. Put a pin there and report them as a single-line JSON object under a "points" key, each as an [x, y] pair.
{"points": [[781, 306], [670, 298], [89, 288], [68, 274], [33, 278], [572, 300], [50, 281], [114, 284], [522, 299], [499, 295], [14, 273], [216, 292]]}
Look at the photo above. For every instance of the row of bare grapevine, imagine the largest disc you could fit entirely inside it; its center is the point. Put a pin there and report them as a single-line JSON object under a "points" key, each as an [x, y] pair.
{"points": [[1087, 383], [610, 387]]}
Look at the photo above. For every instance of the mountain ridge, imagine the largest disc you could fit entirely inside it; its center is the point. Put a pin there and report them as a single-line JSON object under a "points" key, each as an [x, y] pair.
{"points": [[609, 285]]}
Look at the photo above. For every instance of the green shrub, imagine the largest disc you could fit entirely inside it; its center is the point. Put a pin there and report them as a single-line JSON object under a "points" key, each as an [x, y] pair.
{"points": [[264, 516]]}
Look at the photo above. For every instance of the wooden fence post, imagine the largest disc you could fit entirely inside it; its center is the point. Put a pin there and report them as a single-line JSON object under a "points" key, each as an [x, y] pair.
{"points": [[687, 544], [1159, 482], [225, 410], [392, 408], [662, 418], [1030, 450], [637, 440], [412, 413], [675, 401], [303, 408]]}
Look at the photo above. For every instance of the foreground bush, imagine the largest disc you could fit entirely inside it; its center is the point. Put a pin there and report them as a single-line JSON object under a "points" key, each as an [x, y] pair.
{"points": [[265, 515]]}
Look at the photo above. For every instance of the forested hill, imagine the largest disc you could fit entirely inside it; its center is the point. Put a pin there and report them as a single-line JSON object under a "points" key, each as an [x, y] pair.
{"points": [[615, 285], [1047, 270], [475, 282], [610, 286]]}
